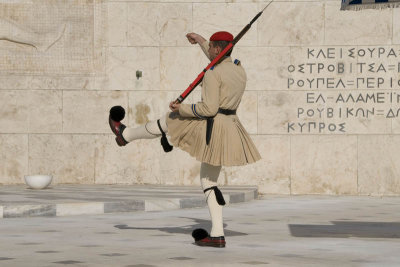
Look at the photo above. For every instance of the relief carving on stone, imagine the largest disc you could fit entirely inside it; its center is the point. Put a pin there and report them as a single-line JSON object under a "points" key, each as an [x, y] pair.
{"points": [[47, 37], [16, 33]]}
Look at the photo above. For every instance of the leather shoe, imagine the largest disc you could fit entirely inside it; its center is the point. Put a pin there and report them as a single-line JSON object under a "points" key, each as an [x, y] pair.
{"points": [[117, 128], [209, 241]]}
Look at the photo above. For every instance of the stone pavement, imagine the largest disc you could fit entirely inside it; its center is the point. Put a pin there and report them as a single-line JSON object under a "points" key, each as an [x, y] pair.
{"points": [[270, 231], [62, 200]]}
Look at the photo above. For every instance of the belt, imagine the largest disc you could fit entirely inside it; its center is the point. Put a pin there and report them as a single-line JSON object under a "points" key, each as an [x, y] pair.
{"points": [[227, 111], [210, 122]]}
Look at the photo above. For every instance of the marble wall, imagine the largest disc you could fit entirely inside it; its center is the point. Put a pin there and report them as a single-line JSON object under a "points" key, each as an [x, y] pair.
{"points": [[322, 101]]}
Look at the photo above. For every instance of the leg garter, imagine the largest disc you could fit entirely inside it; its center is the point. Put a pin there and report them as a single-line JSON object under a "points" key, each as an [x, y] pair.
{"points": [[218, 195]]}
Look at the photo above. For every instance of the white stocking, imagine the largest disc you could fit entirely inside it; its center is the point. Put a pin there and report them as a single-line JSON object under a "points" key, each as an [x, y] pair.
{"points": [[149, 130], [209, 177]]}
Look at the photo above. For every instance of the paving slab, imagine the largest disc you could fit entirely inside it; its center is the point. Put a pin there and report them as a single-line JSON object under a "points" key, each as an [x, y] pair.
{"points": [[65, 200], [270, 231]]}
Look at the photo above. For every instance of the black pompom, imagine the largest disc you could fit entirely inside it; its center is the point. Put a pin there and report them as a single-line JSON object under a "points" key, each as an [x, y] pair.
{"points": [[117, 113], [199, 234]]}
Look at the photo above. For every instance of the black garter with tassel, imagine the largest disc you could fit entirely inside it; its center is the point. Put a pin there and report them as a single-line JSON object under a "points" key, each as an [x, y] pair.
{"points": [[218, 195], [164, 141]]}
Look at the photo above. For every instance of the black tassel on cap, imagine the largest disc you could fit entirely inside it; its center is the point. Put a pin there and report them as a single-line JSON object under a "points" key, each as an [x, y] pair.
{"points": [[199, 234], [117, 113]]}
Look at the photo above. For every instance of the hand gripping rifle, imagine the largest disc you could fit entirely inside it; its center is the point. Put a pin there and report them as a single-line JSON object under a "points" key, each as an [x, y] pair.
{"points": [[227, 49]]}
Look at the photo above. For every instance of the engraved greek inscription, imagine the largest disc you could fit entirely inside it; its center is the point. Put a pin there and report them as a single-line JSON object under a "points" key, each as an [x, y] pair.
{"points": [[340, 68], [340, 113], [330, 83], [351, 53], [380, 112], [311, 98], [357, 68], [363, 98], [392, 114], [314, 127], [324, 53], [392, 53]]}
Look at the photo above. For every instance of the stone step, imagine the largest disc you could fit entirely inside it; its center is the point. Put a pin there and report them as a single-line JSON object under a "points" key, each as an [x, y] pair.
{"points": [[64, 200]]}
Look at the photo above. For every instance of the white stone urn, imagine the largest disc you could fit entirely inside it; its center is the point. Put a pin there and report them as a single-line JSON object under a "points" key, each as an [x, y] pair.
{"points": [[38, 181]]}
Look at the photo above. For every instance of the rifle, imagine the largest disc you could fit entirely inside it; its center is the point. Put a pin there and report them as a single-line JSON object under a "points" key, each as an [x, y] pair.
{"points": [[219, 58]]}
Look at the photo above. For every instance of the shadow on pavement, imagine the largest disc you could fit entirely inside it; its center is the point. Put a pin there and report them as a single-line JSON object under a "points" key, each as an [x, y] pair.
{"points": [[346, 229], [183, 229]]}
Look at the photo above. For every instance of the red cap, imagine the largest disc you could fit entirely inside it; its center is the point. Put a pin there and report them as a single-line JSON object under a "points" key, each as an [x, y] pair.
{"points": [[222, 36]]}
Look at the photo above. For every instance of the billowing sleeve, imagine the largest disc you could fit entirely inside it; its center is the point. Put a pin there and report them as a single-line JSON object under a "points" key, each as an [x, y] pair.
{"points": [[208, 107], [204, 47]]}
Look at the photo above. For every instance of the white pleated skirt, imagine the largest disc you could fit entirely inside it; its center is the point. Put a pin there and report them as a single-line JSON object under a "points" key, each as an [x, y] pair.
{"points": [[230, 144]]}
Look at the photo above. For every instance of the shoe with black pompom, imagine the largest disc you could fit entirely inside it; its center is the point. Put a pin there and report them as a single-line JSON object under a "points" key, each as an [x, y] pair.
{"points": [[117, 113]]}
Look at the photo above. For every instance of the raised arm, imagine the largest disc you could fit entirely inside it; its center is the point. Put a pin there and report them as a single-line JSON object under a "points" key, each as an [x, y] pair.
{"points": [[195, 38]]}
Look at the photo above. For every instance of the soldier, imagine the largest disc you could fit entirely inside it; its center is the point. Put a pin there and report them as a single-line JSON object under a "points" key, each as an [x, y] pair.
{"points": [[209, 130]]}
